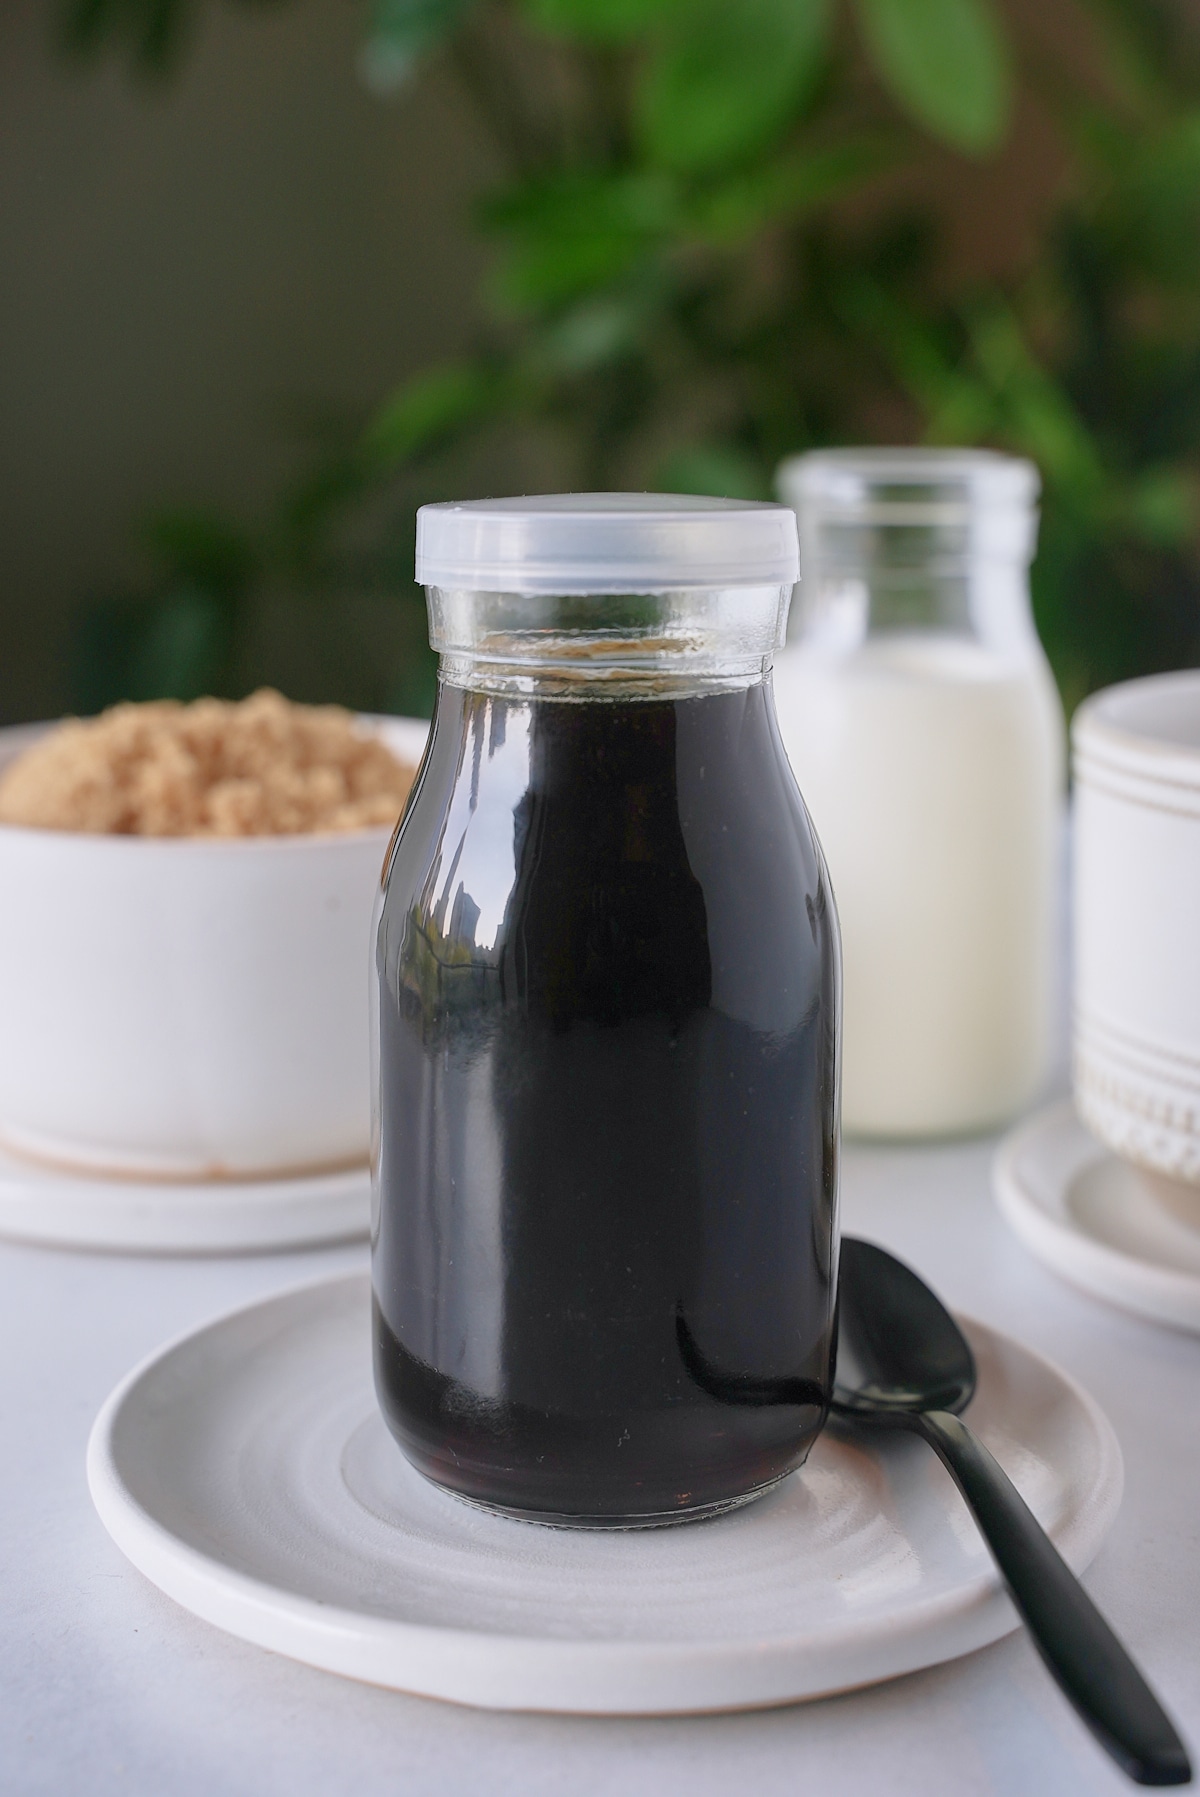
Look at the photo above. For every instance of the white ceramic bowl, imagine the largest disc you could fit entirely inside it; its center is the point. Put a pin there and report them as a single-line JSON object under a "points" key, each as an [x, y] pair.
{"points": [[1137, 921], [188, 1007]]}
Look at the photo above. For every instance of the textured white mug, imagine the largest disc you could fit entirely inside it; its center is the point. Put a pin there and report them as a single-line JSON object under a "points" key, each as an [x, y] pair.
{"points": [[1137, 921]]}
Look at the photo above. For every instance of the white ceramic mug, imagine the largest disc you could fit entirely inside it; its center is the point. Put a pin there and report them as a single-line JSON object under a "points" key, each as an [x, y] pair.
{"points": [[1137, 921], [195, 1008]]}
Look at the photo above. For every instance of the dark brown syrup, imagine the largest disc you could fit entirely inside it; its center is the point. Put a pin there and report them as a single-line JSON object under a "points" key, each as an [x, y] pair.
{"points": [[607, 963]]}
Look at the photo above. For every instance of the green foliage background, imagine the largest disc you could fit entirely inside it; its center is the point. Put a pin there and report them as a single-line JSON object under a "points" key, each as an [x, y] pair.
{"points": [[700, 265]]}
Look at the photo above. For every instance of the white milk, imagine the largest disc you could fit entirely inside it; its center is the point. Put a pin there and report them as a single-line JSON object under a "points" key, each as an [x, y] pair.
{"points": [[932, 769]]}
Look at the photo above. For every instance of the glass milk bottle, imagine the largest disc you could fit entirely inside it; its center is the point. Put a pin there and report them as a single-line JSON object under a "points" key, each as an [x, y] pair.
{"points": [[925, 731]]}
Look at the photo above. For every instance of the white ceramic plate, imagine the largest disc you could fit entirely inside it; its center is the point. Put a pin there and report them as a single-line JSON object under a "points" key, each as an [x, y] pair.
{"points": [[1095, 1220], [247, 1472], [66, 1209]]}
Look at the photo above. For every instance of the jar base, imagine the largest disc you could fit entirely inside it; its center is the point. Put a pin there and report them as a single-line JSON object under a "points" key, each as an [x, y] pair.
{"points": [[663, 1519]]}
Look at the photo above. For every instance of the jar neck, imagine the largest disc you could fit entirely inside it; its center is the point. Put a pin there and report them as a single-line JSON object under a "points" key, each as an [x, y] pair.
{"points": [[607, 646], [916, 542], [987, 602]]}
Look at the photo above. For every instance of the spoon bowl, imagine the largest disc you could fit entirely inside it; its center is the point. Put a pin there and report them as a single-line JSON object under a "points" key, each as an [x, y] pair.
{"points": [[899, 1349]]}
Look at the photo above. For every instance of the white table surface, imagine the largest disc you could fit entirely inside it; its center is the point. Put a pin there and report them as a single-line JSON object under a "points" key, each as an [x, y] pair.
{"points": [[107, 1687]]}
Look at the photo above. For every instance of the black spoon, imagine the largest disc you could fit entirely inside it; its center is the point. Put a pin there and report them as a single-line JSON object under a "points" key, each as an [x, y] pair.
{"points": [[903, 1363]]}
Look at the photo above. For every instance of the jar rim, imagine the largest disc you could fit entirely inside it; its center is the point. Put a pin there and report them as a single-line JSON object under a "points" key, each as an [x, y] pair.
{"points": [[908, 485]]}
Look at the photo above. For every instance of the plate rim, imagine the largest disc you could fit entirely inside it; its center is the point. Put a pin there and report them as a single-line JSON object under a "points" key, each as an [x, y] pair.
{"points": [[719, 1675], [183, 1217], [1161, 1294]]}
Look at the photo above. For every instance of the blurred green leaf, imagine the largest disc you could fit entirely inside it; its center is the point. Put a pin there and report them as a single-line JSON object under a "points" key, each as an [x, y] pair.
{"points": [[400, 34], [1163, 507], [428, 410], [1155, 209], [336, 482], [595, 21], [202, 550], [1038, 414], [730, 210], [1128, 59], [589, 335], [947, 63], [957, 406], [728, 77], [154, 31], [573, 232], [176, 638], [722, 469], [184, 653], [422, 416], [1141, 45], [583, 202], [545, 272]]}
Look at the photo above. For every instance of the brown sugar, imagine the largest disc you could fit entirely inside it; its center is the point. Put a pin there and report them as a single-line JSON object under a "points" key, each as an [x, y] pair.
{"points": [[261, 767]]}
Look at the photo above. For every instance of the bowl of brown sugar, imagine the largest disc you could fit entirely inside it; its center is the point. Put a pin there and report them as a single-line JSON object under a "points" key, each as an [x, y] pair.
{"points": [[185, 917]]}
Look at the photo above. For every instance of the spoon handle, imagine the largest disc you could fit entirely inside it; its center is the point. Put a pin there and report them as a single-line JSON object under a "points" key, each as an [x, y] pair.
{"points": [[1074, 1640]]}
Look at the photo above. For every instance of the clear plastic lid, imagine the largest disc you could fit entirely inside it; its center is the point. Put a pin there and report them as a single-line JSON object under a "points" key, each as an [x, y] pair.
{"points": [[582, 543]]}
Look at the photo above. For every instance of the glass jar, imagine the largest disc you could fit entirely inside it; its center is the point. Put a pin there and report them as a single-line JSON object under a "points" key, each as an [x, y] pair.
{"points": [[922, 722], [606, 1157]]}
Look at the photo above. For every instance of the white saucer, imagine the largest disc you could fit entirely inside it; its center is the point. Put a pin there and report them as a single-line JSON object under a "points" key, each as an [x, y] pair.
{"points": [[247, 1472], [1091, 1218], [67, 1209]]}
